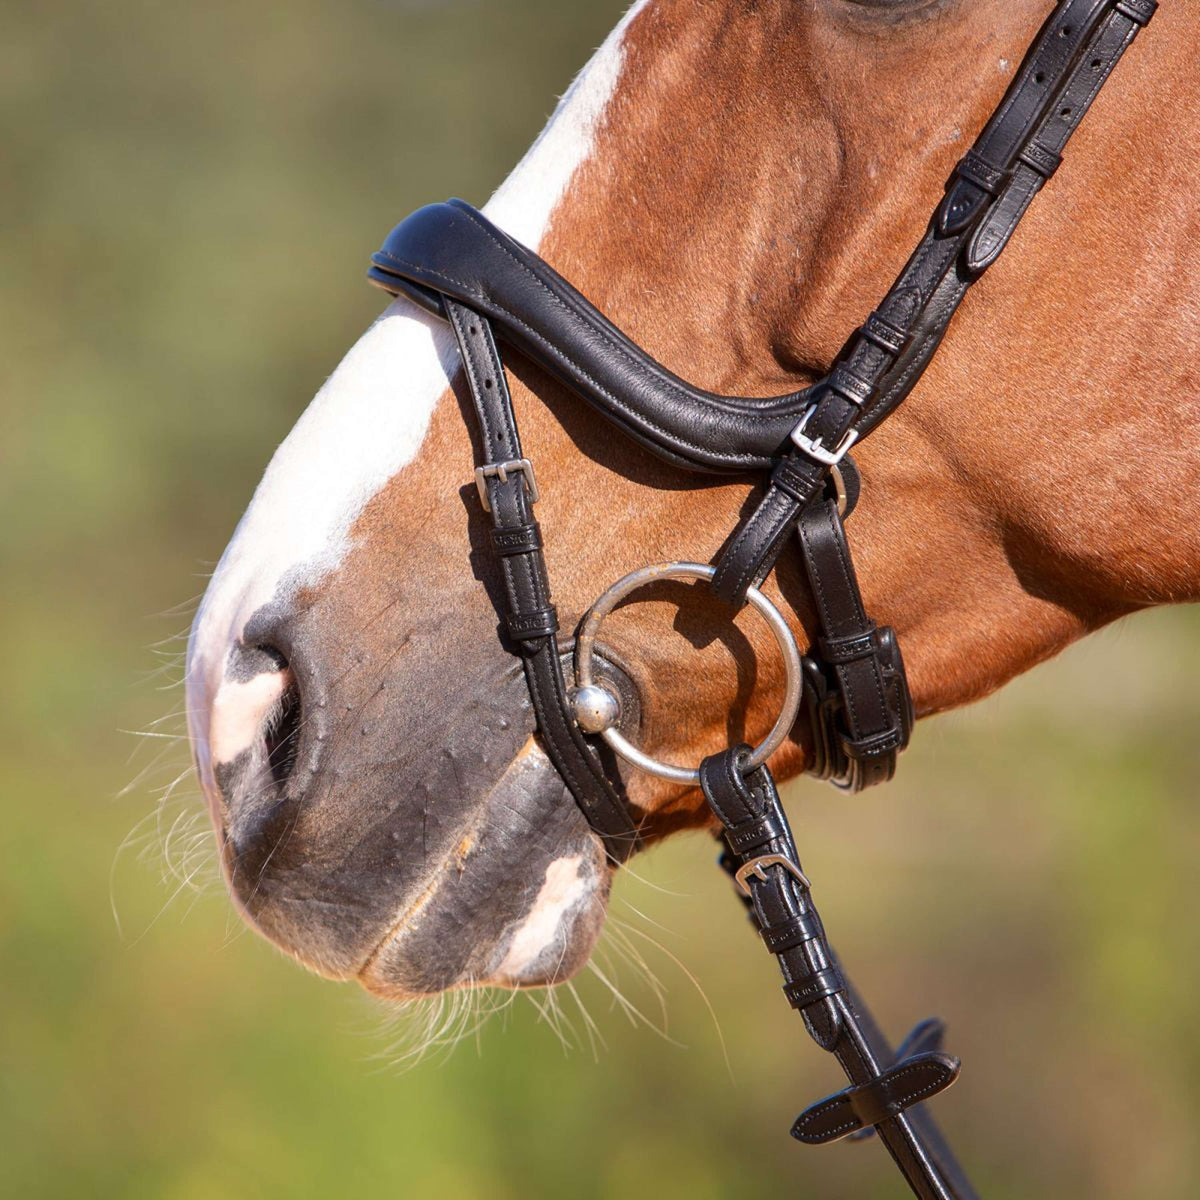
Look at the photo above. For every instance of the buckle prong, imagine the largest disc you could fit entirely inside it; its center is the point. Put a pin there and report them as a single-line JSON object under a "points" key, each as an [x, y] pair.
{"points": [[758, 868], [501, 472], [814, 448]]}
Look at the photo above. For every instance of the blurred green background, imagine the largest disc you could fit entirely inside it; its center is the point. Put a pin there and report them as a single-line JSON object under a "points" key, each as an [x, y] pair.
{"points": [[188, 194]]}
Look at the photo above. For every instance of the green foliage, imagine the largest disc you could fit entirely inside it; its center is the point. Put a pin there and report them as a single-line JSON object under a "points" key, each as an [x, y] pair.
{"points": [[190, 193]]}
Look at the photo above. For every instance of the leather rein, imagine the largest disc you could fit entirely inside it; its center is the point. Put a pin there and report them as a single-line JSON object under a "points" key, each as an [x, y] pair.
{"points": [[456, 264]]}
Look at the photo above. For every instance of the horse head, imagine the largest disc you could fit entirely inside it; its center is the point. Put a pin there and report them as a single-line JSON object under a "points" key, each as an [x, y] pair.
{"points": [[734, 184]]}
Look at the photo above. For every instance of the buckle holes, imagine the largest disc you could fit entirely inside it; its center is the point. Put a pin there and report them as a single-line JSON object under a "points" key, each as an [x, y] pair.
{"points": [[474, 330], [1097, 63], [1066, 112], [1066, 31], [1040, 77], [487, 383]]}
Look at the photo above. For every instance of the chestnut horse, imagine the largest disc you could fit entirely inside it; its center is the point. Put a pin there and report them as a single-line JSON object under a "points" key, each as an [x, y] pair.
{"points": [[735, 183]]}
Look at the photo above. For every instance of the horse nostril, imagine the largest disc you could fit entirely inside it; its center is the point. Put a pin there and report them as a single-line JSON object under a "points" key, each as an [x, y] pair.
{"points": [[250, 698], [283, 734], [255, 735]]}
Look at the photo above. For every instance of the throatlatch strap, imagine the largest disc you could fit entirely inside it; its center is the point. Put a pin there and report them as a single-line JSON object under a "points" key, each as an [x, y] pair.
{"points": [[884, 1093], [506, 479]]}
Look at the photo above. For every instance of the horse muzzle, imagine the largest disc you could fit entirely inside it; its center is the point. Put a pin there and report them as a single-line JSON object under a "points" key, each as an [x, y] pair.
{"points": [[398, 823], [518, 902]]}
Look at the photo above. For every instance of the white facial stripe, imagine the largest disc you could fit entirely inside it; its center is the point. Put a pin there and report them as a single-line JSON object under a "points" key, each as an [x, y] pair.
{"points": [[368, 421], [364, 425], [564, 887], [525, 201]]}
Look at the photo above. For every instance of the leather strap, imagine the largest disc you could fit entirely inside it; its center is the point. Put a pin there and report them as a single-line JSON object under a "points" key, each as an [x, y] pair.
{"points": [[991, 188], [1041, 154], [884, 1093], [452, 250], [858, 698], [897, 1089], [529, 616]]}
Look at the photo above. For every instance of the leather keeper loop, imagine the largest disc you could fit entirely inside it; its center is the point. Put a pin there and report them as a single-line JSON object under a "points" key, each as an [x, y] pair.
{"points": [[875, 745], [882, 333], [1139, 11], [840, 650], [793, 933], [848, 385], [798, 477], [977, 170], [525, 627], [814, 987], [1040, 159], [517, 539], [751, 835]]}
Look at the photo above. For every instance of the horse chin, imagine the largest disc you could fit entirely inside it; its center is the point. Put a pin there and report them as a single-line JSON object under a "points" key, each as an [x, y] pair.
{"points": [[519, 902]]}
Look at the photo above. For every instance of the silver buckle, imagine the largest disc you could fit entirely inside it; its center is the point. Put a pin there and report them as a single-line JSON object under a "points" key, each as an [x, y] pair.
{"points": [[813, 447], [758, 867], [501, 472]]}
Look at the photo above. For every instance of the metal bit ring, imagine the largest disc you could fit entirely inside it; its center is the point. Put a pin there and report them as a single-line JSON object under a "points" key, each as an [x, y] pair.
{"points": [[793, 690]]}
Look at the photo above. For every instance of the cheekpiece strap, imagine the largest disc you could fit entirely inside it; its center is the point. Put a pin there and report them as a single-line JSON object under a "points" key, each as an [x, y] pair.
{"points": [[855, 688], [989, 192], [508, 491]]}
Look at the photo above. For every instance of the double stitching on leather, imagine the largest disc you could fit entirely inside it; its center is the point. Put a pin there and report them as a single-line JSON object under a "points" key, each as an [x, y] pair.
{"points": [[756, 545], [793, 931], [881, 1099], [528, 614], [569, 304], [771, 513], [857, 694], [824, 515], [699, 451], [1092, 69]]}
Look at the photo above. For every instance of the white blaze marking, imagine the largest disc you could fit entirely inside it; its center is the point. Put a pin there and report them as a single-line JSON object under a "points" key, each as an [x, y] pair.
{"points": [[562, 890], [524, 202], [369, 420]]}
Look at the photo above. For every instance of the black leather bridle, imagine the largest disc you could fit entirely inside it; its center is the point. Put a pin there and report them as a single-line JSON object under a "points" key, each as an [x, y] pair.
{"points": [[456, 264]]}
